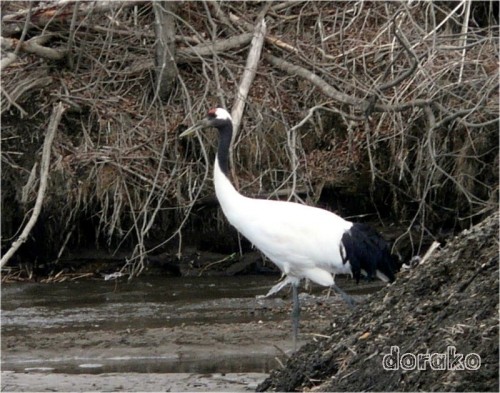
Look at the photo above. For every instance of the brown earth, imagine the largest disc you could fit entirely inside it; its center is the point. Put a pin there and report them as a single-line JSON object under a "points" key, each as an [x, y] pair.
{"points": [[450, 301]]}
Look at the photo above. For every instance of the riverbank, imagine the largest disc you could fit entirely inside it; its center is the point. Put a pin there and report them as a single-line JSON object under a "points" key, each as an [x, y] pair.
{"points": [[446, 307]]}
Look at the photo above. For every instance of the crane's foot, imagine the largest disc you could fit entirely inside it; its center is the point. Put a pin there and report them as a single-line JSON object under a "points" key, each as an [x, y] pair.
{"points": [[278, 287], [345, 297], [296, 306]]}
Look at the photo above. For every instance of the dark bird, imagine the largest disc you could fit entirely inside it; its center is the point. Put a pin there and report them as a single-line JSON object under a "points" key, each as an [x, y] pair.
{"points": [[303, 241]]}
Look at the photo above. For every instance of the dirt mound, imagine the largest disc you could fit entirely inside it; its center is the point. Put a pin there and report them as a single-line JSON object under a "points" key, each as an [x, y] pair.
{"points": [[442, 309]]}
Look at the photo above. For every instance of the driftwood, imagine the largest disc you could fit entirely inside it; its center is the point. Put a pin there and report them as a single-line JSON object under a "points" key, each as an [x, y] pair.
{"points": [[44, 174]]}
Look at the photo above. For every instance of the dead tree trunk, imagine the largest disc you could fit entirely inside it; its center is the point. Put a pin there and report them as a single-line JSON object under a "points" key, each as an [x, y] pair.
{"points": [[166, 70]]}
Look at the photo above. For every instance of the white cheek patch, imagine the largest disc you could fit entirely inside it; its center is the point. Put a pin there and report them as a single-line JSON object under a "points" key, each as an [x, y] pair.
{"points": [[222, 114]]}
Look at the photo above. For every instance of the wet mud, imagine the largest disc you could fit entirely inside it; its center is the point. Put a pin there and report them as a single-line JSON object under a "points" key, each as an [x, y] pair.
{"points": [[155, 334]]}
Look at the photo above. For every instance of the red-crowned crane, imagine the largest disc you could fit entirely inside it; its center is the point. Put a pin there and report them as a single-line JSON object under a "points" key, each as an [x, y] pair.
{"points": [[303, 241]]}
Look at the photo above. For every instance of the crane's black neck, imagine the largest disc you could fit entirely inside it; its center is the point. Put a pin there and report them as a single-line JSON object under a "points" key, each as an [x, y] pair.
{"points": [[225, 135]]}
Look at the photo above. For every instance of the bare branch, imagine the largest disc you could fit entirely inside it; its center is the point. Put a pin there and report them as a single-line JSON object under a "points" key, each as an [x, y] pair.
{"points": [[59, 10], [34, 46], [44, 173], [313, 78], [30, 83], [249, 74], [196, 53]]}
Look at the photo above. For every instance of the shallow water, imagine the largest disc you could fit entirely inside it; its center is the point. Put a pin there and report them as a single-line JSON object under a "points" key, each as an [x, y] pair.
{"points": [[143, 303], [77, 309]]}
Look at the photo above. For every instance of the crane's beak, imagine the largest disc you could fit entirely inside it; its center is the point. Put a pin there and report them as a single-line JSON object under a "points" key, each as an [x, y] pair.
{"points": [[190, 130], [198, 126]]}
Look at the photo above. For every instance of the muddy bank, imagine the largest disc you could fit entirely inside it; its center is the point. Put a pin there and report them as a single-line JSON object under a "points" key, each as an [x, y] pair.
{"points": [[450, 302]]}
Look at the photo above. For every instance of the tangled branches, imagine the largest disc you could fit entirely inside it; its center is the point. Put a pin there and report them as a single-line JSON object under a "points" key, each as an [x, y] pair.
{"points": [[396, 102]]}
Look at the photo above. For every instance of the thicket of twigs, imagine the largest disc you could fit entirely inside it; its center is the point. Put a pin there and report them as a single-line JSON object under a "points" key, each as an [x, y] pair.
{"points": [[392, 103]]}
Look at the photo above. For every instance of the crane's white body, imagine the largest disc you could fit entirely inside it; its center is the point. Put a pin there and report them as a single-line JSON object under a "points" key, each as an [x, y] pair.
{"points": [[303, 241]]}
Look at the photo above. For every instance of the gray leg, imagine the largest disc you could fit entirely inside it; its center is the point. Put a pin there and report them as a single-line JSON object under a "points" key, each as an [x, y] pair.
{"points": [[348, 299], [295, 315], [278, 287]]}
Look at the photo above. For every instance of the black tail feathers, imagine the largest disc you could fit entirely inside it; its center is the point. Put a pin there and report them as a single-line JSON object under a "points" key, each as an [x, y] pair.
{"points": [[366, 250]]}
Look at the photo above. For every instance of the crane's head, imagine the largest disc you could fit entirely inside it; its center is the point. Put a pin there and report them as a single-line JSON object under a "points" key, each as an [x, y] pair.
{"points": [[216, 117]]}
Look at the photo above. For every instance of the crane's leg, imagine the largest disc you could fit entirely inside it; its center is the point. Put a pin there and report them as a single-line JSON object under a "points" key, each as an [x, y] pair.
{"points": [[295, 314], [348, 299], [278, 287]]}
